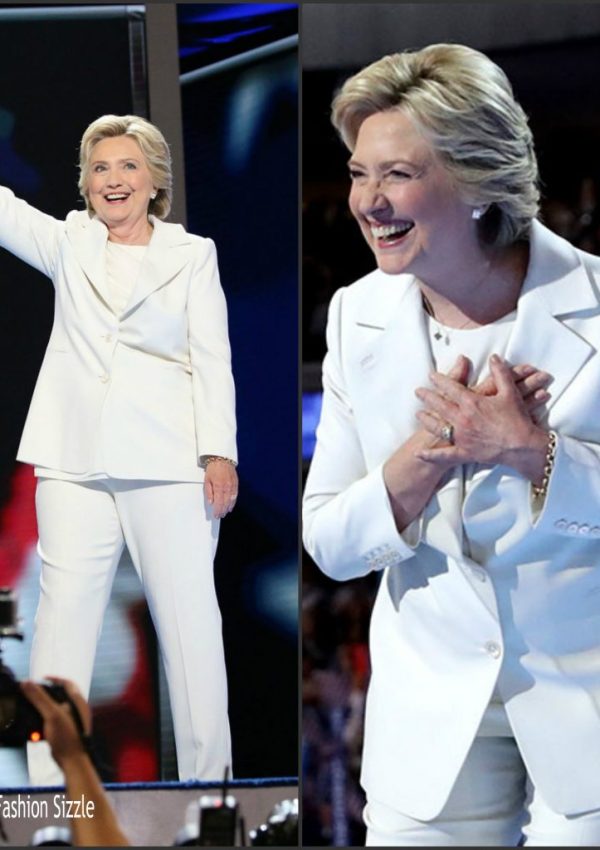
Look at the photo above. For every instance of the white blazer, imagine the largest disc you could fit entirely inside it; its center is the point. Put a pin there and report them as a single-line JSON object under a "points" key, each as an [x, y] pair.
{"points": [[148, 392], [437, 644]]}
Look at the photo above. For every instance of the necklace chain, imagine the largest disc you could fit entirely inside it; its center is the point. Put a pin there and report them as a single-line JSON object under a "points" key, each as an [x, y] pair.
{"points": [[439, 334]]}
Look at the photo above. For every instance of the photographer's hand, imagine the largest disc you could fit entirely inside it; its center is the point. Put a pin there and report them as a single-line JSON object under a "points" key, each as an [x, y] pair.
{"points": [[82, 781], [60, 729]]}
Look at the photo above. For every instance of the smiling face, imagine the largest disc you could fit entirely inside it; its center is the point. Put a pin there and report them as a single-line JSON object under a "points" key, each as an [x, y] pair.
{"points": [[408, 208], [119, 183]]}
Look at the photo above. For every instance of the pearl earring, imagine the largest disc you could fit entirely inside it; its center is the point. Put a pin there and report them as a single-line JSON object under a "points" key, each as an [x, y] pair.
{"points": [[477, 213], [153, 195]]}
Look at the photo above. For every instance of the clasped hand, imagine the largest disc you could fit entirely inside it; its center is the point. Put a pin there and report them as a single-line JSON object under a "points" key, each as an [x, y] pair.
{"points": [[491, 422]]}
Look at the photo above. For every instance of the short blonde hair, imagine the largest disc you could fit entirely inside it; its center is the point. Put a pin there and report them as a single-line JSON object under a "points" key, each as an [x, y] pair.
{"points": [[463, 105], [152, 144]]}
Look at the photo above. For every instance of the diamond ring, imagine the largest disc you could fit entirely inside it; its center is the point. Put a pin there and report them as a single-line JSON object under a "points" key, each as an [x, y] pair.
{"points": [[447, 433]]}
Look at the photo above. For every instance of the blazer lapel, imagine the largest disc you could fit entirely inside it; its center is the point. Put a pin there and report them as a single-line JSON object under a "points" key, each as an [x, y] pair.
{"points": [[391, 368], [169, 250], [393, 326], [557, 284], [88, 239]]}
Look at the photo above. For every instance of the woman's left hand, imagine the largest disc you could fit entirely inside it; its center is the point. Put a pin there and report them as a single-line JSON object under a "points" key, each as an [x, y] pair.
{"points": [[495, 429], [221, 487]]}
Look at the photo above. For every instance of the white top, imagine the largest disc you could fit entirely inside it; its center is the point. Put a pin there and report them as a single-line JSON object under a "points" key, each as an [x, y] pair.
{"points": [[122, 271], [478, 344], [123, 263]]}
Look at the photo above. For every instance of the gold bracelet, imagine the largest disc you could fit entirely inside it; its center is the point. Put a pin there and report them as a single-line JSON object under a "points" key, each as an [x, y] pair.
{"points": [[540, 492], [206, 459]]}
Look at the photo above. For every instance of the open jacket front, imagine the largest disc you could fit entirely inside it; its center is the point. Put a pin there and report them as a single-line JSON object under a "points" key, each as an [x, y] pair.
{"points": [[436, 619]]}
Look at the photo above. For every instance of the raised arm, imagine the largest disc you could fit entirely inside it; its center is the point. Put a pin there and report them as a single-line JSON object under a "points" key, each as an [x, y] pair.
{"points": [[29, 234]]}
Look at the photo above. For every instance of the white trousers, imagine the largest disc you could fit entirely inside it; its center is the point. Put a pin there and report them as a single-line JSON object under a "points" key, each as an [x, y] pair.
{"points": [[171, 538], [493, 804]]}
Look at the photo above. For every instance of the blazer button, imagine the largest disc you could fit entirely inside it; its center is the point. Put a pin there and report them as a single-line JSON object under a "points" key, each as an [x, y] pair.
{"points": [[595, 531], [584, 529], [573, 527], [561, 524], [493, 649]]}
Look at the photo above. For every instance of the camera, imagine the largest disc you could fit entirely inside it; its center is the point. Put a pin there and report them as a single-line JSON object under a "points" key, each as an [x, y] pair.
{"points": [[281, 829], [219, 818], [19, 720]]}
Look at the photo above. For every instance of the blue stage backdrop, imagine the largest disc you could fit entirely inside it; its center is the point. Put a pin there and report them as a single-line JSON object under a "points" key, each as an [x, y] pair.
{"points": [[240, 106]]}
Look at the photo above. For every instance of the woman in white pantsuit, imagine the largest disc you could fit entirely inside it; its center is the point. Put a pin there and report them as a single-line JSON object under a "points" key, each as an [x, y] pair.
{"points": [[447, 459], [131, 429]]}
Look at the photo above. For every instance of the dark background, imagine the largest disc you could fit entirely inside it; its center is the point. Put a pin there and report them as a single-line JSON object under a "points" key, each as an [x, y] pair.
{"points": [[241, 152]]}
